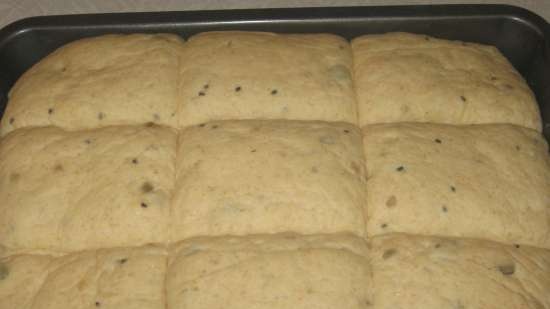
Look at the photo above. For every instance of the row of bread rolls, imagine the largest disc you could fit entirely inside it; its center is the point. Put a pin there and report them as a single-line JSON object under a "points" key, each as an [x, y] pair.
{"points": [[132, 185], [133, 79], [284, 271]]}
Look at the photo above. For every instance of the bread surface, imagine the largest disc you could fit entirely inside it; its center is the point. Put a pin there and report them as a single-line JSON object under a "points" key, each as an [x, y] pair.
{"points": [[250, 177], [252, 75], [429, 272], [481, 181], [100, 81], [284, 271], [74, 190], [403, 77]]}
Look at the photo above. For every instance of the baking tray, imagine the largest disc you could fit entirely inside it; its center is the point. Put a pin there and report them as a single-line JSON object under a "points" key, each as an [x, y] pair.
{"points": [[522, 36]]}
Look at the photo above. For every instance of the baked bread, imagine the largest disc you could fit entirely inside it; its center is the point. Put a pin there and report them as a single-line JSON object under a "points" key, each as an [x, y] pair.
{"points": [[403, 77], [100, 81], [260, 75], [261, 170], [250, 177], [434, 273], [66, 191], [269, 272], [130, 278], [479, 181]]}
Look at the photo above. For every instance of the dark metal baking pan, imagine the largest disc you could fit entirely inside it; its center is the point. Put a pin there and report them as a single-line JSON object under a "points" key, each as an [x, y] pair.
{"points": [[521, 36]]}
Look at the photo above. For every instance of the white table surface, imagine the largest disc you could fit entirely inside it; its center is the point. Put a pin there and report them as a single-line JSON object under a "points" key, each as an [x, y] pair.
{"points": [[11, 10]]}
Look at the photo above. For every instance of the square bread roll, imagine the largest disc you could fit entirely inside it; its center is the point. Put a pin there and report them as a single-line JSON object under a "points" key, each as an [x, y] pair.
{"points": [[251, 177], [255, 75], [269, 272], [402, 77], [434, 273], [66, 191], [131, 278], [480, 181], [100, 81]]}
